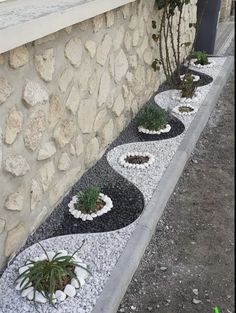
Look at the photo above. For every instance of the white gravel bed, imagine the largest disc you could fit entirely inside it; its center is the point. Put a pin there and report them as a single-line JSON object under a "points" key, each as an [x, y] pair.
{"points": [[101, 251], [163, 150], [146, 180], [195, 77], [200, 66], [89, 217], [166, 129], [124, 163]]}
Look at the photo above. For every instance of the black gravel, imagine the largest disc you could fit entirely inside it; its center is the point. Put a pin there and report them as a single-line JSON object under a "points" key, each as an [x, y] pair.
{"points": [[128, 201], [204, 79], [177, 127], [128, 204]]}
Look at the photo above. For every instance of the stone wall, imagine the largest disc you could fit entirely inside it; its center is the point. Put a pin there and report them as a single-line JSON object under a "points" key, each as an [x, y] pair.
{"points": [[63, 99], [225, 9]]}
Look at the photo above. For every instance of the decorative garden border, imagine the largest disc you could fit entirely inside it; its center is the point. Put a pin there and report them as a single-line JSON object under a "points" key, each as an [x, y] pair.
{"points": [[111, 245]]}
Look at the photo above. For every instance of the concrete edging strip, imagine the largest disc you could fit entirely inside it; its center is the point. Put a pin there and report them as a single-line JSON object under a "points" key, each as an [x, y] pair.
{"points": [[124, 270]]}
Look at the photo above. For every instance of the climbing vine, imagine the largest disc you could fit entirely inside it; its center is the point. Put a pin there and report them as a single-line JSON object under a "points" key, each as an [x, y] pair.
{"points": [[169, 38]]}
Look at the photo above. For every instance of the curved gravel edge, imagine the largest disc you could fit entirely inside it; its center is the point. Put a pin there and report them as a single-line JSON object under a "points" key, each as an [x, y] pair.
{"points": [[106, 249]]}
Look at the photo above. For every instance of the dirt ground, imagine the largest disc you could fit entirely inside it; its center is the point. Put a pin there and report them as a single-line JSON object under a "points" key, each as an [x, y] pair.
{"points": [[188, 266]]}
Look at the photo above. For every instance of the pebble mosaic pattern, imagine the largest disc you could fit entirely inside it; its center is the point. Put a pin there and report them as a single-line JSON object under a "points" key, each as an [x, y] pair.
{"points": [[102, 250]]}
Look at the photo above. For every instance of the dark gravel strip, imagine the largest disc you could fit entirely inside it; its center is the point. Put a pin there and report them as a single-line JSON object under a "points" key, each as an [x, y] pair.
{"points": [[128, 200], [193, 246]]}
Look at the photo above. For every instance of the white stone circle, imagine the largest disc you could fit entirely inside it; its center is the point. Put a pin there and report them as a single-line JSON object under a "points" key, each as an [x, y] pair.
{"points": [[126, 164], [196, 78], [176, 109], [89, 217], [211, 64], [196, 97], [141, 129], [59, 295]]}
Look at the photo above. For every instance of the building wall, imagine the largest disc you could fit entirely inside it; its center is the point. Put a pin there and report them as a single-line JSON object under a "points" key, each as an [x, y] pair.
{"points": [[63, 99], [225, 9]]}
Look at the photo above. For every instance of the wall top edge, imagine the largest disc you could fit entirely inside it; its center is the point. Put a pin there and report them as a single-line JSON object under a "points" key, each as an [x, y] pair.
{"points": [[23, 21]]}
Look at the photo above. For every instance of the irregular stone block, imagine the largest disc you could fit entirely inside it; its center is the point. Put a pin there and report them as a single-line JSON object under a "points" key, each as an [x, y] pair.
{"points": [[86, 115], [1, 147], [64, 132], [104, 88], [15, 201], [13, 125], [34, 93], [18, 57], [133, 22], [91, 47], [36, 194], [98, 22], [47, 150], [79, 145], [56, 110], [5, 89], [16, 165], [46, 174], [107, 133], [74, 51], [85, 72], [65, 79], [119, 105], [118, 39], [72, 102], [121, 66], [60, 188], [92, 151], [45, 65], [2, 225], [14, 239], [110, 18], [100, 120], [64, 162], [103, 50], [34, 129], [45, 39]]}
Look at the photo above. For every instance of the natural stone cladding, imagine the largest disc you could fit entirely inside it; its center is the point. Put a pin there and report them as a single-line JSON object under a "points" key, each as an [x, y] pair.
{"points": [[63, 99]]}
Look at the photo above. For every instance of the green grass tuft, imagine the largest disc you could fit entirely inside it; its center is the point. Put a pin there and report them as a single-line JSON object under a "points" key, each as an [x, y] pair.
{"points": [[152, 118], [201, 57], [47, 276], [87, 200], [188, 86]]}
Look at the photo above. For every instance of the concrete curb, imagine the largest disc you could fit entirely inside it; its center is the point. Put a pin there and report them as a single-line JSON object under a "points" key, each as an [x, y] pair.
{"points": [[124, 270]]}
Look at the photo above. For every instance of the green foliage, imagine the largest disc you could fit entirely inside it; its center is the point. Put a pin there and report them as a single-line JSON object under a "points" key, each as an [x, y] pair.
{"points": [[156, 65], [47, 276], [201, 57], [192, 25], [187, 86], [154, 24], [152, 118], [186, 44], [171, 4], [87, 199]]}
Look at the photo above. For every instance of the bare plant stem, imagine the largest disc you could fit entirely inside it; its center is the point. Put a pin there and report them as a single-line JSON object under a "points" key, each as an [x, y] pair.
{"points": [[160, 46], [166, 33], [170, 25], [178, 40]]}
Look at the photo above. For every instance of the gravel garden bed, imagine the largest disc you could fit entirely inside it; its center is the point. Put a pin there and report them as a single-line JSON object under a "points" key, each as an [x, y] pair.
{"points": [[130, 190]]}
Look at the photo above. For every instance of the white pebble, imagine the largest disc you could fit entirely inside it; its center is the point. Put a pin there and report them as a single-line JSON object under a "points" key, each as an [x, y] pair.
{"points": [[70, 291]]}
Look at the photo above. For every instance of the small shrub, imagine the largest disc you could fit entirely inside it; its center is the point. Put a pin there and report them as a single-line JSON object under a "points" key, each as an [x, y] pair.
{"points": [[201, 57], [152, 118], [49, 275], [187, 86], [87, 200]]}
